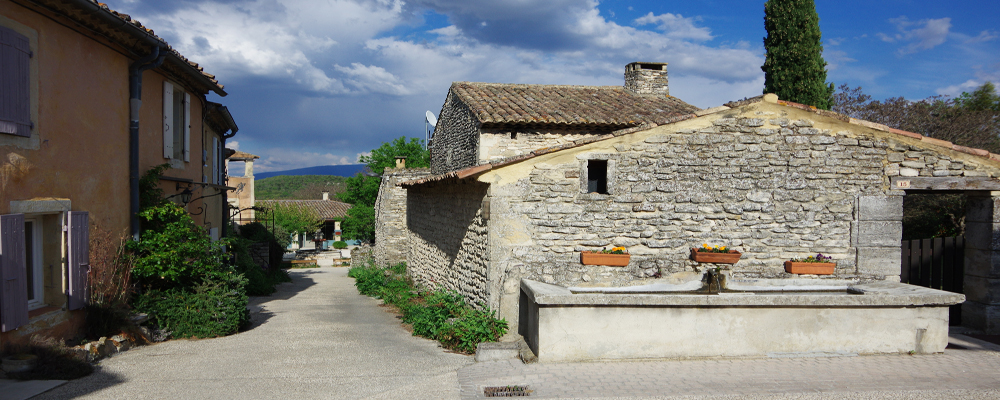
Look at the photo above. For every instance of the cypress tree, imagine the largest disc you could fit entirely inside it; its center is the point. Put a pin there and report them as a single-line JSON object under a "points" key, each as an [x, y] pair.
{"points": [[794, 68]]}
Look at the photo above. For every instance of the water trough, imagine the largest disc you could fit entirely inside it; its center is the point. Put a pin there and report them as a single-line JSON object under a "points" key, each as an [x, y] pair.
{"points": [[735, 318]]}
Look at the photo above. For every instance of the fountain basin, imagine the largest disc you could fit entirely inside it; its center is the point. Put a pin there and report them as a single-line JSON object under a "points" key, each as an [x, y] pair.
{"points": [[753, 318]]}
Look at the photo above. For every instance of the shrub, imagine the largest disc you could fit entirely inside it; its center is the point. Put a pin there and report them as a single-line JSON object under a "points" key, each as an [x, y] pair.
{"points": [[440, 314], [174, 252], [109, 284], [260, 282], [340, 244], [210, 309]]}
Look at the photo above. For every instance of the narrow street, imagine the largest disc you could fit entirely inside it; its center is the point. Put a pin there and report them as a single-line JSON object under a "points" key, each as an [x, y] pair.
{"points": [[315, 338]]}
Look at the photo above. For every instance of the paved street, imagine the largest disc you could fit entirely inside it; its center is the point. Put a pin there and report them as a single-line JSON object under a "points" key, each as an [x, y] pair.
{"points": [[317, 338]]}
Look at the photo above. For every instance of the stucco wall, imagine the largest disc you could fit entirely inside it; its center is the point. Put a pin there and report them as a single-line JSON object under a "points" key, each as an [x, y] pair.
{"points": [[448, 243]]}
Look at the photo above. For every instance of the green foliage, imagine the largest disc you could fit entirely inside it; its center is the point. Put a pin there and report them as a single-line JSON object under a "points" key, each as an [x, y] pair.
{"points": [[933, 215], [360, 223], [339, 245], [794, 68], [293, 218], [173, 251], [260, 282], [150, 194], [440, 314], [984, 98], [361, 190], [298, 187], [210, 309], [385, 156]]}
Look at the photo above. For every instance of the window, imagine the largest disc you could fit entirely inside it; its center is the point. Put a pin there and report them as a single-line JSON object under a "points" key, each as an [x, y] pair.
{"points": [[15, 87], [176, 123], [33, 261], [597, 176]]}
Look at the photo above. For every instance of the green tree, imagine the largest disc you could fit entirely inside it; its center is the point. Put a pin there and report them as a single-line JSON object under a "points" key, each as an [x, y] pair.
{"points": [[293, 218], [360, 223], [385, 156], [361, 190], [984, 98], [794, 68]]}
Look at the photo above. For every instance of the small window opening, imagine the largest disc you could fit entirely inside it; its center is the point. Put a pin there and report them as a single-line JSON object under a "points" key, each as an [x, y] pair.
{"points": [[597, 176], [655, 67], [513, 135]]}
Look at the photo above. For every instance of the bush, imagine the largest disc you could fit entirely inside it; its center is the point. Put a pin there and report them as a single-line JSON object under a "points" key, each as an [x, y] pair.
{"points": [[440, 314], [210, 309], [174, 252], [109, 284], [260, 282], [340, 244]]}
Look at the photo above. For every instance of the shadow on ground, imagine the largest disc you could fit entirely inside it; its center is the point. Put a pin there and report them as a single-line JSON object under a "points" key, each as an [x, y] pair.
{"points": [[93, 383]]}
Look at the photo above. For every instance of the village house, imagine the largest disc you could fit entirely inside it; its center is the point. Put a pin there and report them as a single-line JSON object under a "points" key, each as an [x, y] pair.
{"points": [[91, 99], [525, 177], [330, 213], [242, 198]]}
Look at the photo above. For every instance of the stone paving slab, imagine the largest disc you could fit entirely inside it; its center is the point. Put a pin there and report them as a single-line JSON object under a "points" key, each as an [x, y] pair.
{"points": [[925, 376]]}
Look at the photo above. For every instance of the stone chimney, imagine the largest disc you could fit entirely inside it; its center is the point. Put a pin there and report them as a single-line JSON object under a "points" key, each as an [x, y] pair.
{"points": [[647, 78], [326, 195], [400, 162]]}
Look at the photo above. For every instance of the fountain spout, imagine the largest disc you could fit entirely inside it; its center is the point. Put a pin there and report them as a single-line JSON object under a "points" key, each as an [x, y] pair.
{"points": [[716, 280]]}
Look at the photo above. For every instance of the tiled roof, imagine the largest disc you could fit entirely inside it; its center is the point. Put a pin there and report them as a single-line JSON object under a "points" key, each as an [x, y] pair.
{"points": [[325, 209], [606, 106], [129, 33], [479, 169], [237, 155]]}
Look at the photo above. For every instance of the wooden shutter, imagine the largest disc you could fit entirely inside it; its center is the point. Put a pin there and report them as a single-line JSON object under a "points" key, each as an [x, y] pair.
{"points": [[79, 258], [168, 120], [15, 88], [187, 127], [13, 275]]}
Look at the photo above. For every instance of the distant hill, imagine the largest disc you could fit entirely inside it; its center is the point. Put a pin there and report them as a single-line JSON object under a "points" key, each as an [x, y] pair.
{"points": [[337, 170], [298, 187]]}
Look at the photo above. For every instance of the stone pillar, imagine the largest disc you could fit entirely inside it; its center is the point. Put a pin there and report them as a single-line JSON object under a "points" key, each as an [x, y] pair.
{"points": [[981, 309], [877, 235]]}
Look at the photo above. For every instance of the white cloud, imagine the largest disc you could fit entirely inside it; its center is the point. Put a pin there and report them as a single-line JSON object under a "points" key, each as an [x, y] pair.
{"points": [[955, 90], [232, 144], [281, 159], [370, 78], [920, 35], [676, 26]]}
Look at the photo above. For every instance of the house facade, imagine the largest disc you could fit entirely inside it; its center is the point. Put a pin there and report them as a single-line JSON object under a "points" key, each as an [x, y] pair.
{"points": [[773, 179], [94, 100]]}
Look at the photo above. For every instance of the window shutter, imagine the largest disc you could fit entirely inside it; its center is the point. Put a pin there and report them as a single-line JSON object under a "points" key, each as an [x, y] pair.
{"points": [[79, 258], [187, 127], [13, 278], [15, 88], [168, 120]]}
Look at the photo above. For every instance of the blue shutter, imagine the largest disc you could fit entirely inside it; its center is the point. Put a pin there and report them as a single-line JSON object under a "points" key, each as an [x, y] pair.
{"points": [[15, 89], [79, 258], [13, 276]]}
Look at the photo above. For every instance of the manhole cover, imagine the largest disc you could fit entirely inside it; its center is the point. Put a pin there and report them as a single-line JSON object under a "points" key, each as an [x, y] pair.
{"points": [[506, 391]]}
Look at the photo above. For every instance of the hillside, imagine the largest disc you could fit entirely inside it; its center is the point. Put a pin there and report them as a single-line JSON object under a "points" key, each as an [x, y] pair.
{"points": [[298, 187], [338, 170]]}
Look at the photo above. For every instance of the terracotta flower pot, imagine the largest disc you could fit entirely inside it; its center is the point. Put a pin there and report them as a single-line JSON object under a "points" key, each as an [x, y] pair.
{"points": [[795, 267], [731, 257], [615, 260]]}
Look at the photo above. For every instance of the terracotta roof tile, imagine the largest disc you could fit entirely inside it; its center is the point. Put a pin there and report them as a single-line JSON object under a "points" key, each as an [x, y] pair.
{"points": [[608, 106], [325, 209], [237, 155]]}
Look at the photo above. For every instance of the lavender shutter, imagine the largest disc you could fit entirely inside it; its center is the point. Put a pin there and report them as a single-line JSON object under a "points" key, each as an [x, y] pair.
{"points": [[15, 93], [79, 258], [13, 276]]}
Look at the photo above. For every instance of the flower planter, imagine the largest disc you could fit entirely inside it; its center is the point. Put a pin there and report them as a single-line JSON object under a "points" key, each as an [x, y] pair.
{"points": [[794, 267], [717, 258], [19, 363], [615, 260]]}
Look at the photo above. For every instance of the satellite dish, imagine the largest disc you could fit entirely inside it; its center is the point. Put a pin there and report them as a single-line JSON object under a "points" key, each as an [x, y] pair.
{"points": [[430, 118]]}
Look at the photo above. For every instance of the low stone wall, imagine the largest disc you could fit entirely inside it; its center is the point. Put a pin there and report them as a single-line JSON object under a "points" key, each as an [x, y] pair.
{"points": [[448, 246]]}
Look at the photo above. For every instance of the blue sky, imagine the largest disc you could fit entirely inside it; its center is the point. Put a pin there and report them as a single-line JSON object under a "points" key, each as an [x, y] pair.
{"points": [[319, 82]]}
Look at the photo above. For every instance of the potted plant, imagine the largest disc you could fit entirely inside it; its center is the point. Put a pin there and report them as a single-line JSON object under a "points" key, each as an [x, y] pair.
{"points": [[814, 265], [617, 257], [715, 254]]}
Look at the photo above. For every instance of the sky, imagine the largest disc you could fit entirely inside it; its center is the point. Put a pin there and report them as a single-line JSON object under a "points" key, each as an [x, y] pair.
{"points": [[321, 82]]}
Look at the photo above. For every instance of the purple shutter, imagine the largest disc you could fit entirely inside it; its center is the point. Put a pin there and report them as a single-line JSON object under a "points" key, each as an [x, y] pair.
{"points": [[13, 276], [79, 258], [15, 92]]}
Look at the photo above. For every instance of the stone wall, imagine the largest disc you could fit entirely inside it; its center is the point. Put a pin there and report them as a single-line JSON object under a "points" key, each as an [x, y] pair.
{"points": [[647, 78], [456, 137], [391, 233], [448, 245], [500, 143]]}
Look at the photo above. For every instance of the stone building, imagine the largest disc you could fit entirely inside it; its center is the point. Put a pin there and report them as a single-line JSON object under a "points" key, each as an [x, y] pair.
{"points": [[391, 234], [773, 179], [241, 197]]}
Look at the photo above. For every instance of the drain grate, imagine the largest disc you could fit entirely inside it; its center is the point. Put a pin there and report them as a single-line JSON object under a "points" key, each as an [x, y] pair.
{"points": [[506, 391]]}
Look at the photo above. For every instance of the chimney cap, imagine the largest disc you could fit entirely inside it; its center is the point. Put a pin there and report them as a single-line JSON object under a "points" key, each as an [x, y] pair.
{"points": [[655, 66]]}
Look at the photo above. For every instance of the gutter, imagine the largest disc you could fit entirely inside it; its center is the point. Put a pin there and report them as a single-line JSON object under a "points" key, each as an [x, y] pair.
{"points": [[153, 60]]}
